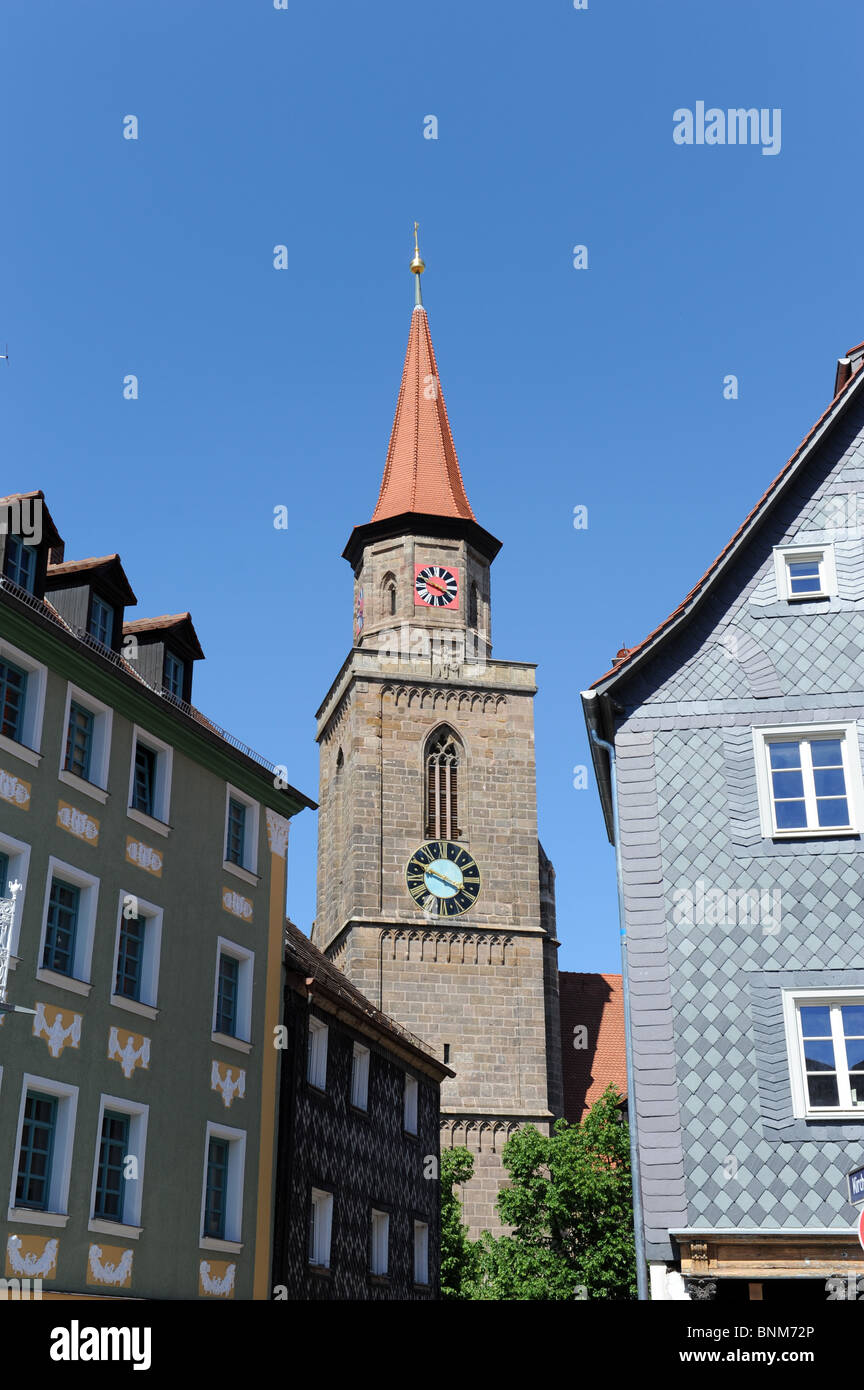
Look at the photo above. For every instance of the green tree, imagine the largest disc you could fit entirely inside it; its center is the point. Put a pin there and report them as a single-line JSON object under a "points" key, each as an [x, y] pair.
{"points": [[569, 1204], [458, 1258]]}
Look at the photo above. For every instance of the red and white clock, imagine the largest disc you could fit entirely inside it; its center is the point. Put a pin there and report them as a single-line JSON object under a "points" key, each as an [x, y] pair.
{"points": [[436, 586]]}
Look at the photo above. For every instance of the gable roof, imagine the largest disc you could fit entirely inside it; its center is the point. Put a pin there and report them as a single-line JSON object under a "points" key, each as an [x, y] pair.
{"points": [[178, 623], [107, 567], [598, 717], [849, 390], [304, 959]]}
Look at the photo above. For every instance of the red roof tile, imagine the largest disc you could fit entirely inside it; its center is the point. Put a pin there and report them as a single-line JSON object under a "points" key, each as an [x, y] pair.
{"points": [[422, 471], [595, 1003]]}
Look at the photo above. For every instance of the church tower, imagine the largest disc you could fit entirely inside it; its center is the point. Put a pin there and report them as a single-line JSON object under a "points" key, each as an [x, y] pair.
{"points": [[434, 894]]}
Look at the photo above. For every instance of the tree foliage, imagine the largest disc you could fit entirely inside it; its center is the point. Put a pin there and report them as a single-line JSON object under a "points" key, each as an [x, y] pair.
{"points": [[569, 1206], [458, 1251]]}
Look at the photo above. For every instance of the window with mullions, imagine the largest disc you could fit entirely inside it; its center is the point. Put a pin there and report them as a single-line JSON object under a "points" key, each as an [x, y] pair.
{"points": [[227, 995], [808, 783], [62, 925], [79, 741], [831, 1038], [110, 1182], [101, 621], [21, 563], [215, 1201], [442, 786], [236, 841], [13, 689], [174, 671], [33, 1183], [4, 873], [130, 957], [144, 781]]}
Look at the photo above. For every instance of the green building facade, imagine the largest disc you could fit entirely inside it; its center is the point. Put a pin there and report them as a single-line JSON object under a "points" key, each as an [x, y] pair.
{"points": [[138, 1099]]}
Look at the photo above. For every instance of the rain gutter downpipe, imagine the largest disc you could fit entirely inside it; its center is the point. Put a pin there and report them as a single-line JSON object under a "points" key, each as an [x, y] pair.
{"points": [[638, 1226]]}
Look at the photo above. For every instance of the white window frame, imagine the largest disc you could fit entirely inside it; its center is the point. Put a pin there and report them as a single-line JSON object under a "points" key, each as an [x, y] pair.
{"points": [[153, 917], [245, 977], [79, 983], [360, 1077], [18, 853], [379, 1243], [160, 820], [421, 1252], [234, 1197], [804, 733], [316, 1054], [29, 749], [785, 555], [321, 1226], [248, 870], [96, 785], [410, 1104], [57, 1213], [139, 1115], [801, 1107]]}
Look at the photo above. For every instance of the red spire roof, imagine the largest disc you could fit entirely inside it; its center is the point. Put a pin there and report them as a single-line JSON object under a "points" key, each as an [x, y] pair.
{"points": [[422, 471]]}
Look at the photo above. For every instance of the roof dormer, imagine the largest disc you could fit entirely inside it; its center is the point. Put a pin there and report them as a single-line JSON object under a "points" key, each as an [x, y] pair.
{"points": [[28, 537], [164, 649], [91, 595]]}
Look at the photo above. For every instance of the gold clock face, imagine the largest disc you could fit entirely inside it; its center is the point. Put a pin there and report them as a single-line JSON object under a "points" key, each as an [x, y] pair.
{"points": [[442, 878]]}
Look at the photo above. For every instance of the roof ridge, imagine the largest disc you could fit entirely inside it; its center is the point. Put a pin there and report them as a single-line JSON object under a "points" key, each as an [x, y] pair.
{"points": [[699, 586]]}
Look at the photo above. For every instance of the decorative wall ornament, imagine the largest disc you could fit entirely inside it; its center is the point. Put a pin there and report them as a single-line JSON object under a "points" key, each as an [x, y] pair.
{"points": [[216, 1279], [277, 833], [144, 856], [424, 697], [453, 946], [33, 1257], [227, 1082], [235, 903], [59, 1027], [111, 1265], [131, 1050], [78, 823], [479, 1135], [15, 789], [7, 919]]}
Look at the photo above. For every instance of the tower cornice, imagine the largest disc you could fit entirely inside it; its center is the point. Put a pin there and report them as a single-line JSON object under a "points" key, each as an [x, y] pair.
{"points": [[420, 523]]}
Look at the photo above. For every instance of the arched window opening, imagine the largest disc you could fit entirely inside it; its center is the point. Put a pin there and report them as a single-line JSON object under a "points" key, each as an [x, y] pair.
{"points": [[472, 606], [442, 786], [388, 590]]}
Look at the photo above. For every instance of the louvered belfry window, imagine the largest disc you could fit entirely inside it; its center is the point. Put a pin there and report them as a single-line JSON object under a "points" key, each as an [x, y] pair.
{"points": [[442, 786]]}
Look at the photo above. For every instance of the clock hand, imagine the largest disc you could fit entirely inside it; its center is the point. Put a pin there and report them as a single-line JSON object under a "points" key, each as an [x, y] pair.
{"points": [[432, 874]]}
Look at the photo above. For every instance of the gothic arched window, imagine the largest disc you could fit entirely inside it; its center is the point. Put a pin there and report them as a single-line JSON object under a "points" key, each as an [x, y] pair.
{"points": [[443, 757], [472, 606], [389, 590]]}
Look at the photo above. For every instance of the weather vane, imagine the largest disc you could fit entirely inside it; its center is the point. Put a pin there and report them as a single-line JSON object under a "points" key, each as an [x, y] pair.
{"points": [[418, 265]]}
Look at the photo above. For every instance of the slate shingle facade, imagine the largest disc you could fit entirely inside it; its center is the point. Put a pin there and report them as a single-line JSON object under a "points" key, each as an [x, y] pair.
{"points": [[719, 1147]]}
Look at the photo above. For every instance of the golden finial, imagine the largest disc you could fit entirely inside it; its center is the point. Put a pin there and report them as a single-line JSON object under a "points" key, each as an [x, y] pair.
{"points": [[417, 265]]}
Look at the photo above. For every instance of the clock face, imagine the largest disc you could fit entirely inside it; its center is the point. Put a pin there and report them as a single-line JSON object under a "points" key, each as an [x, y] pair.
{"points": [[436, 586], [442, 878]]}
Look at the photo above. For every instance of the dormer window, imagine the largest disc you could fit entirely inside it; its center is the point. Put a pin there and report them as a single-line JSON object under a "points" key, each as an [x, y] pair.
{"points": [[174, 674], [101, 624], [21, 563], [164, 650], [804, 573], [91, 596]]}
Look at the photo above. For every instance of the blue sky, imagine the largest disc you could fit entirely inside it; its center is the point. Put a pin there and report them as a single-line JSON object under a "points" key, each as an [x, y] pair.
{"points": [[600, 387]]}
